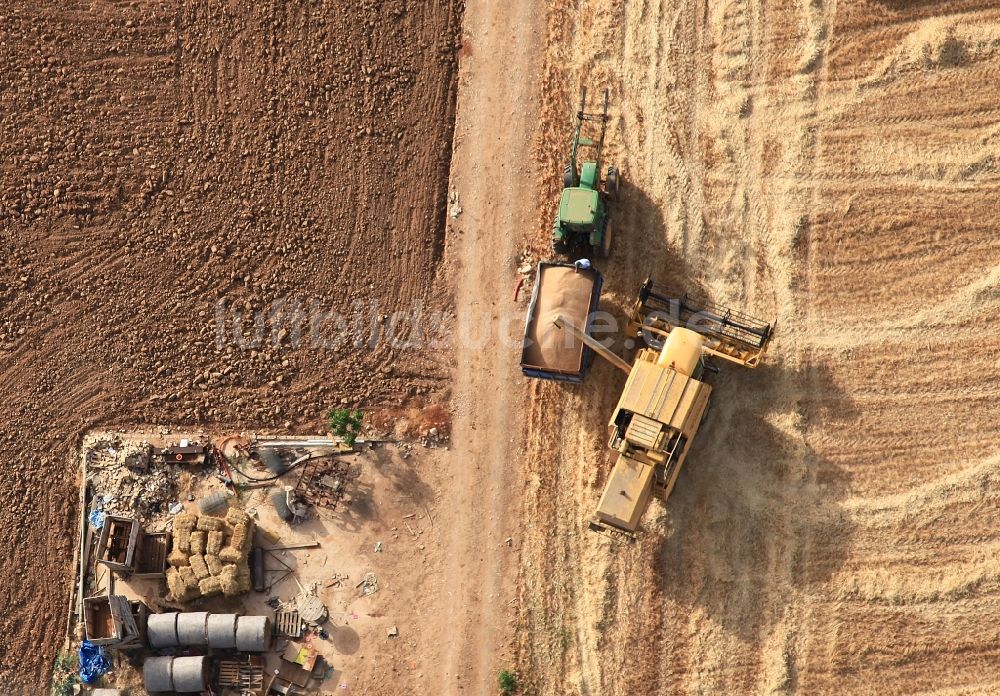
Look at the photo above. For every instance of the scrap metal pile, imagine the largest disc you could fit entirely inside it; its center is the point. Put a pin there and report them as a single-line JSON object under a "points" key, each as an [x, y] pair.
{"points": [[322, 482], [132, 481]]}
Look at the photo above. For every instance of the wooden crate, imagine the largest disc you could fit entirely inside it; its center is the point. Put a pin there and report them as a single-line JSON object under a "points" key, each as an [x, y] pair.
{"points": [[151, 556], [247, 676], [110, 621], [117, 543]]}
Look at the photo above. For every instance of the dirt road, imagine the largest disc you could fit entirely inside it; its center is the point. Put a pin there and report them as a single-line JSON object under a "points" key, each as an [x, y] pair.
{"points": [[167, 163], [495, 182], [831, 166]]}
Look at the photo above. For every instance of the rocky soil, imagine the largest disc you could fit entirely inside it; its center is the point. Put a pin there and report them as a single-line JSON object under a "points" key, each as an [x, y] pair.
{"points": [[169, 167]]}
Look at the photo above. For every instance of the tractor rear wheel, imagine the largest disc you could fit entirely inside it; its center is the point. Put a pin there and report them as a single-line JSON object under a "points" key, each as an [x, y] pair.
{"points": [[605, 250], [569, 177], [611, 182]]}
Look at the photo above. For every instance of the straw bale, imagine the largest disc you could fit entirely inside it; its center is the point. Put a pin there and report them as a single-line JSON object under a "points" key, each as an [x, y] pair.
{"points": [[185, 521], [235, 516], [210, 524], [199, 567], [242, 536], [182, 540], [210, 586], [197, 542], [187, 576], [213, 563], [232, 555], [214, 542]]}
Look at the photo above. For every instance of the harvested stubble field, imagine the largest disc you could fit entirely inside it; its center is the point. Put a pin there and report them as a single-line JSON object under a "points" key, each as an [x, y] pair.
{"points": [[159, 157], [832, 166]]}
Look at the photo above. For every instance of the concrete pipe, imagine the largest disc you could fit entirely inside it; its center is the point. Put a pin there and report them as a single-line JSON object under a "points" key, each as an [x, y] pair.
{"points": [[273, 461], [191, 628], [161, 630], [190, 674], [156, 674], [222, 631], [253, 633]]}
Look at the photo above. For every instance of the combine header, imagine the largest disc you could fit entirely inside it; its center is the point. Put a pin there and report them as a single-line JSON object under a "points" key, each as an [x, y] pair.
{"points": [[665, 398], [728, 334]]}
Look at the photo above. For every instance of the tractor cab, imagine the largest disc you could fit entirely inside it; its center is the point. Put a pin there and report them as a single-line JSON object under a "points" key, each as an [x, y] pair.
{"points": [[580, 209]]}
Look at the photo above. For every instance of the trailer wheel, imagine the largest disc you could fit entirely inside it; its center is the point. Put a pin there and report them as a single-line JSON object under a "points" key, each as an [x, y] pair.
{"points": [[280, 503], [611, 182], [569, 177]]}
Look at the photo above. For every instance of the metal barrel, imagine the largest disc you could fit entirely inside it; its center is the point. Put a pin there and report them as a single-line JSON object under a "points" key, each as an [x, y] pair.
{"points": [[157, 674], [253, 633], [190, 674], [222, 631], [161, 630], [214, 503], [191, 628]]}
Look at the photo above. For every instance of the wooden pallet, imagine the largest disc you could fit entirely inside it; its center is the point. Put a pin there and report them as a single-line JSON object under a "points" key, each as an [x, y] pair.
{"points": [[288, 624]]}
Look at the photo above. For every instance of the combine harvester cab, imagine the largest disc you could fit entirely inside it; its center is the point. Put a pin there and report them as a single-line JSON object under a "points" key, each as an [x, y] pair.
{"points": [[561, 289]]}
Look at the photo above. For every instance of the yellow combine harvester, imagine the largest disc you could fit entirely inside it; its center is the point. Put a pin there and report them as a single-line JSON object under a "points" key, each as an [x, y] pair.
{"points": [[665, 398]]}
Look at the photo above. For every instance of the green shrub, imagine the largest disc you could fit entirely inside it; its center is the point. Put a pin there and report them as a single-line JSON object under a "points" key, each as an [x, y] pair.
{"points": [[507, 681], [63, 674], [63, 686], [346, 424]]}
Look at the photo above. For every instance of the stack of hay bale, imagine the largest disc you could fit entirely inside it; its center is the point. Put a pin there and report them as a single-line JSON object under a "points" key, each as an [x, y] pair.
{"points": [[209, 555]]}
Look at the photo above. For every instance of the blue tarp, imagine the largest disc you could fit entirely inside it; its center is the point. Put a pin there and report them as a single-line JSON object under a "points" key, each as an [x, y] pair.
{"points": [[93, 663], [97, 519]]}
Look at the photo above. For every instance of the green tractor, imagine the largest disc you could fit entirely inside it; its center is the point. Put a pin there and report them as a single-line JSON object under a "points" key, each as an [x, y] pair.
{"points": [[581, 225]]}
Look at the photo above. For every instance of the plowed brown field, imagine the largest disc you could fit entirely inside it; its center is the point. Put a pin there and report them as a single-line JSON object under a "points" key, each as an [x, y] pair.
{"points": [[832, 166], [157, 158]]}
